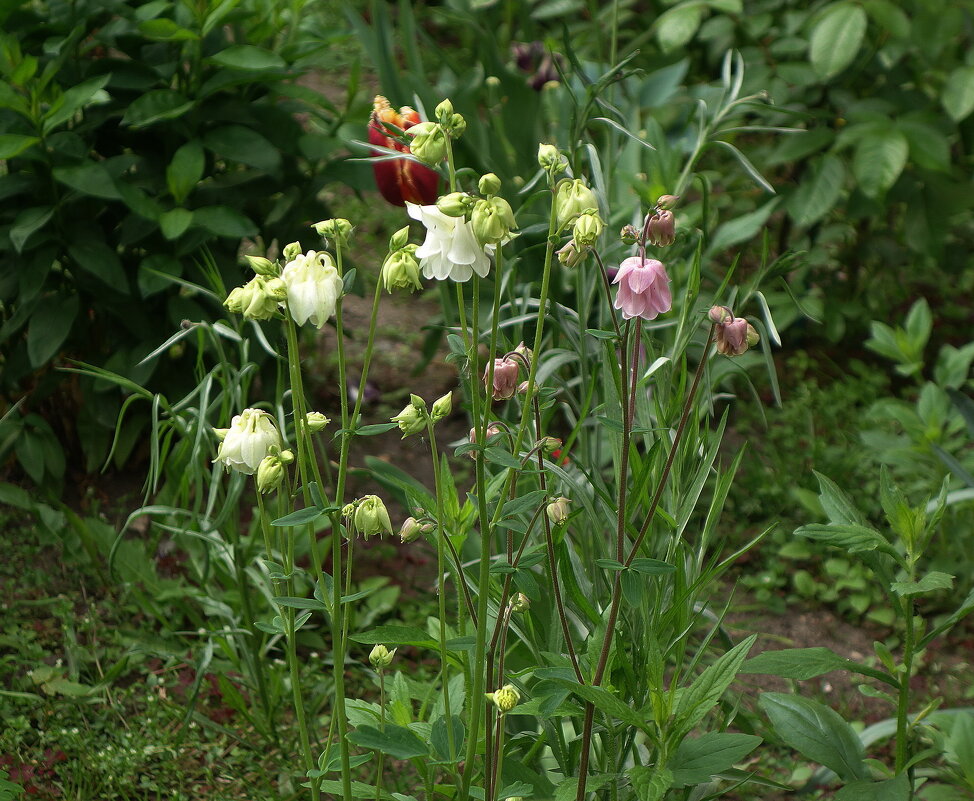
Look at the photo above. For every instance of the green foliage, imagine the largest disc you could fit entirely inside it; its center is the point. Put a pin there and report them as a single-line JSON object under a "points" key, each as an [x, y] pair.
{"points": [[134, 135]]}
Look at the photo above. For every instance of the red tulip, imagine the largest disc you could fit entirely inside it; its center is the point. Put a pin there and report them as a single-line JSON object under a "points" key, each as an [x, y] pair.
{"points": [[399, 180]]}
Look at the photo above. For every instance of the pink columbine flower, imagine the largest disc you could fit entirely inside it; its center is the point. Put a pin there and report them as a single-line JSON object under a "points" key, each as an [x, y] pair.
{"points": [[644, 288], [505, 379]]}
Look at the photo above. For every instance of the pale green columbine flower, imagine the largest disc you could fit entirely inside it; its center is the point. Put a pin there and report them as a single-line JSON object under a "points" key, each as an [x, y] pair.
{"points": [[316, 421], [338, 230], [427, 142], [412, 419], [381, 657], [492, 221], [451, 249], [313, 287], [587, 229], [557, 510], [400, 270], [372, 517], [251, 437], [270, 473], [506, 698], [258, 299], [572, 198]]}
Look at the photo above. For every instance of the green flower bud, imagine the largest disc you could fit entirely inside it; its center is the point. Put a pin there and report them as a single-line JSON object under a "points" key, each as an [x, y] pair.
{"points": [[752, 336], [381, 657], [270, 474], [558, 511], [720, 314], [410, 530], [256, 300], [442, 407], [629, 234], [412, 419], [588, 228], [551, 159], [455, 204], [239, 299], [338, 230], [492, 221], [372, 517], [573, 198], [292, 251], [550, 444], [666, 202], [489, 184], [262, 266], [506, 698], [399, 239], [444, 112], [316, 422], [457, 126], [276, 288], [400, 270], [428, 142], [286, 456]]}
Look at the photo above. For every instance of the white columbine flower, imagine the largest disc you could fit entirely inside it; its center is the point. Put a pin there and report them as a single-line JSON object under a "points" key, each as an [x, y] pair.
{"points": [[252, 436], [313, 287], [451, 250]]}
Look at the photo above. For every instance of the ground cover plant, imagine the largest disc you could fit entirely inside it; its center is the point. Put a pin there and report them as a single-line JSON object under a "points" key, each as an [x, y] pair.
{"points": [[559, 487]]}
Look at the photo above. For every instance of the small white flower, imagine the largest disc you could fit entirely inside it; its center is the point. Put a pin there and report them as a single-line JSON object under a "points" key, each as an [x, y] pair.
{"points": [[313, 287], [252, 435], [451, 250]]}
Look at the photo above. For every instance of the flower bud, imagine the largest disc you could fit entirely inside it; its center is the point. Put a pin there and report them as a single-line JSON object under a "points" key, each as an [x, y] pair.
{"points": [[571, 255], [270, 474], [442, 407], [492, 221], [262, 266], [558, 511], [456, 126], [719, 314], [662, 229], [550, 444], [412, 419], [292, 251], [337, 230], [372, 517], [428, 142], [588, 228], [752, 336], [629, 234], [572, 198], [400, 270], [666, 202], [399, 239], [410, 530], [524, 352], [505, 379], [444, 111], [490, 432], [506, 698], [381, 657], [732, 337], [551, 159], [258, 299], [316, 421], [286, 456], [456, 204], [520, 602], [489, 184]]}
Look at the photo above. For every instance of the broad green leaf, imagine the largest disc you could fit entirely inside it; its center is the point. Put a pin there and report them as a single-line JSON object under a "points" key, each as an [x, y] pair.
{"points": [[440, 739], [90, 178], [676, 26], [299, 518], [709, 686], [743, 228], [165, 30], [890, 16], [248, 57], [929, 147], [817, 194], [49, 326], [75, 99], [224, 221], [836, 38], [837, 505], [697, 759], [817, 733], [895, 789], [849, 537], [27, 223], [173, 223], [394, 635], [932, 581], [605, 701], [807, 663], [14, 144], [239, 143], [879, 159], [101, 261], [568, 788], [958, 93], [396, 741], [293, 602], [652, 567], [155, 106], [650, 783], [185, 170]]}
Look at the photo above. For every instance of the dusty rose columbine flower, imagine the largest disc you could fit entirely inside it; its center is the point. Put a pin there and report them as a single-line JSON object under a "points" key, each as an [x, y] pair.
{"points": [[400, 181], [505, 379], [644, 288], [451, 249]]}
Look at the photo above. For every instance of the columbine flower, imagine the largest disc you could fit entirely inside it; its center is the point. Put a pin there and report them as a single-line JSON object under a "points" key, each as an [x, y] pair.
{"points": [[451, 250], [491, 431], [661, 228], [506, 698], [557, 510], [313, 287], [381, 657], [399, 180], [734, 334], [372, 517], [644, 288], [251, 437], [572, 198], [412, 419], [400, 270], [505, 378]]}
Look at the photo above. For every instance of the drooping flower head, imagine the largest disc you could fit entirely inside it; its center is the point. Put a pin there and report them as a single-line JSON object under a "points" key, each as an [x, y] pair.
{"points": [[313, 287], [644, 288], [505, 378], [451, 249], [251, 437], [734, 334], [400, 181]]}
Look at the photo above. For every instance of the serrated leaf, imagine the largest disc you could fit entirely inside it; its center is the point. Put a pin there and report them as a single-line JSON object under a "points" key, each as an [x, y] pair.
{"points": [[849, 537], [836, 38], [816, 732], [957, 96], [697, 760], [650, 783], [879, 159]]}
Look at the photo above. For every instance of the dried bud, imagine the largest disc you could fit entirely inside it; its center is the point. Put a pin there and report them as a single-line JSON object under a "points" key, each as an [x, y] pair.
{"points": [[505, 379], [506, 698], [442, 407], [381, 657], [524, 352], [558, 510], [316, 421], [629, 234]]}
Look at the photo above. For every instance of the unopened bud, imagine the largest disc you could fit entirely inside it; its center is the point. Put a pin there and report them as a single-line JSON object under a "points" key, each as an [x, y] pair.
{"points": [[270, 474], [490, 432], [381, 657], [410, 530], [316, 421], [572, 198], [520, 602], [588, 228], [550, 444], [443, 111], [412, 419], [551, 159], [442, 407], [372, 517], [337, 230], [492, 221], [662, 229], [262, 266], [666, 202], [428, 142], [719, 314], [400, 270], [456, 126], [455, 204], [489, 184], [629, 234], [506, 698], [558, 510], [399, 239], [292, 251]]}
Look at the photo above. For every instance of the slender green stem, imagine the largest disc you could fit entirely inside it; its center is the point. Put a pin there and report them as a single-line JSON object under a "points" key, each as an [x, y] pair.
{"points": [[382, 727], [903, 698]]}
